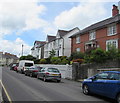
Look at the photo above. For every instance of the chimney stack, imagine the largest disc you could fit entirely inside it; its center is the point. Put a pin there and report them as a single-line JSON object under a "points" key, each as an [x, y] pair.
{"points": [[115, 10]]}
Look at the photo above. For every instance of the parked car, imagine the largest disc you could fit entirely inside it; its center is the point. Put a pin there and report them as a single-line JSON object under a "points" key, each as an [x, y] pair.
{"points": [[15, 67], [12, 65], [24, 65], [33, 71], [49, 74], [105, 83]]}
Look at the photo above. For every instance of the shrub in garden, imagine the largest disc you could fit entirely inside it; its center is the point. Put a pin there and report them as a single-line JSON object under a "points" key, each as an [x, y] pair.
{"points": [[55, 60], [112, 53], [63, 57], [98, 55], [43, 61], [78, 60], [118, 55], [76, 55], [64, 61]]}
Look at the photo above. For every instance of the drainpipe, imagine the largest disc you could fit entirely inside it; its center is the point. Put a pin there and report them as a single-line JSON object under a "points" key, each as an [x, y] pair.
{"points": [[63, 46]]}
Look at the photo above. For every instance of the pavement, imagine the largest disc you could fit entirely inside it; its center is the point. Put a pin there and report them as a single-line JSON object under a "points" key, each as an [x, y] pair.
{"points": [[23, 88]]}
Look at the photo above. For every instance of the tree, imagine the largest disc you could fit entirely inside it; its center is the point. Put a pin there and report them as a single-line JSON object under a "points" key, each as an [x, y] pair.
{"points": [[52, 53]]}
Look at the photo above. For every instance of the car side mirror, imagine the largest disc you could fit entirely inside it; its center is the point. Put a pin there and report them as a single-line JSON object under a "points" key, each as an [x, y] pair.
{"points": [[93, 78]]}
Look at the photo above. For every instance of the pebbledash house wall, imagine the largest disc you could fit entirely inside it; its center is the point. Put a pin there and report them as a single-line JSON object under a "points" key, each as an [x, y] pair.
{"points": [[101, 38]]}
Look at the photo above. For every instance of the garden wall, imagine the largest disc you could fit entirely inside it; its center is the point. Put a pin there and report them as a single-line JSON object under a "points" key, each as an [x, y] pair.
{"points": [[82, 71], [65, 70]]}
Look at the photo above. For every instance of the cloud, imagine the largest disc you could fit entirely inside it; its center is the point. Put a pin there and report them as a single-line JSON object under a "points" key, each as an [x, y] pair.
{"points": [[81, 16], [20, 16], [15, 47]]}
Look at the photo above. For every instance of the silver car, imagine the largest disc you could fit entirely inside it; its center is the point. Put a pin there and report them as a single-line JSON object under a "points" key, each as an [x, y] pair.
{"points": [[48, 73]]}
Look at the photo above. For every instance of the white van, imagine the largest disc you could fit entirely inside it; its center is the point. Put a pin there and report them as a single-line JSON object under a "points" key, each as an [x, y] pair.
{"points": [[24, 64]]}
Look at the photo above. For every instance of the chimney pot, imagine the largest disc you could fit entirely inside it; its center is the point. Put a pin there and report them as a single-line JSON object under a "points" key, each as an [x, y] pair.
{"points": [[115, 10]]}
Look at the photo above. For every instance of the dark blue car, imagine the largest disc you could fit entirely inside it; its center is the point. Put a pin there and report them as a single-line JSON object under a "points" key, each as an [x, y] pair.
{"points": [[105, 83]]}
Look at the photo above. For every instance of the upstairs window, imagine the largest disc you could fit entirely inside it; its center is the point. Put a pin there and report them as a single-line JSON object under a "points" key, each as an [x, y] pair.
{"points": [[77, 39], [112, 30], [92, 35]]}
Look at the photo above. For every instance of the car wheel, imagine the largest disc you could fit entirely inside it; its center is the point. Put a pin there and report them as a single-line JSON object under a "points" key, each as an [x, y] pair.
{"points": [[25, 74], [58, 81], [118, 98], [37, 77], [85, 90], [31, 75], [21, 72], [44, 79]]}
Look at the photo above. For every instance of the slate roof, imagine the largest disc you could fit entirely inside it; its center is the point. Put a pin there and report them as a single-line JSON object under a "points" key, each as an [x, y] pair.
{"points": [[37, 42], [51, 38], [99, 25], [62, 32], [41, 44], [9, 56]]}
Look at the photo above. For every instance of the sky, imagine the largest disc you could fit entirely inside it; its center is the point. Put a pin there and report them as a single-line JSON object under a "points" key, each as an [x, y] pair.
{"points": [[25, 21]]}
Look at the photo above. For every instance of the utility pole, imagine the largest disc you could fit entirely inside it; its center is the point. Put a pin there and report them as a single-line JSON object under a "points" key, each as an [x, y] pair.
{"points": [[22, 49]]}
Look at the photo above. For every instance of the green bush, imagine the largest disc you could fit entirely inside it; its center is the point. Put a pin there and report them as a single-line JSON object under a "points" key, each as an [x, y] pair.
{"points": [[76, 55], [43, 61], [37, 61], [48, 60], [55, 60], [112, 53], [63, 57], [79, 61], [64, 61], [118, 55], [98, 55]]}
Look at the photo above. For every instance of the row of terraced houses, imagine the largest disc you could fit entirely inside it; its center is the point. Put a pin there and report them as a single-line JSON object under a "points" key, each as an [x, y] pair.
{"points": [[98, 35]]}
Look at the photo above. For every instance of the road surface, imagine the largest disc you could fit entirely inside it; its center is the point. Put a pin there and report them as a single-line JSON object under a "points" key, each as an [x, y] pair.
{"points": [[23, 88]]}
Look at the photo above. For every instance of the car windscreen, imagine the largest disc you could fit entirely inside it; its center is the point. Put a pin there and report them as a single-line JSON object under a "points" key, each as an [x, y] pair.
{"points": [[28, 64], [53, 70]]}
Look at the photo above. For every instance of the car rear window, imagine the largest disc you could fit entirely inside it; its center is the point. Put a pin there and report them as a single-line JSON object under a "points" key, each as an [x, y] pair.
{"points": [[28, 64], [53, 70]]}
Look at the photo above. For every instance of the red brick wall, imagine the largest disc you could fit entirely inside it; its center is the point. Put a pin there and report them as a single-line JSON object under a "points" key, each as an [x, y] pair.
{"points": [[118, 26], [83, 39], [101, 37]]}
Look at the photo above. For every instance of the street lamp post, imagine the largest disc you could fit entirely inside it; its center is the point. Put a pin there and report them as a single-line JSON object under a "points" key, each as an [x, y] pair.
{"points": [[22, 49]]}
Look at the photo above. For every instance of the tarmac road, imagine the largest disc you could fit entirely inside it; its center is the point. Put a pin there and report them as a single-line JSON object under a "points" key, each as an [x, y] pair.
{"points": [[23, 88]]}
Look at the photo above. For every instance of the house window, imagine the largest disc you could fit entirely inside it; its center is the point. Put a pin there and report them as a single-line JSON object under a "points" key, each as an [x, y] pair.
{"points": [[92, 35], [77, 49], [111, 43], [112, 30], [77, 39]]}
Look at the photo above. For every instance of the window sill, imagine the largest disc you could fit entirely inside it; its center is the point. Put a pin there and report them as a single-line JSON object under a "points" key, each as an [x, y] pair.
{"points": [[112, 34], [78, 42]]}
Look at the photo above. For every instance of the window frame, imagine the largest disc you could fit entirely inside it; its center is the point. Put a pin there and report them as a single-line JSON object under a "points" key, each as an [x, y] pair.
{"points": [[110, 30], [92, 35], [111, 42], [78, 39]]}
